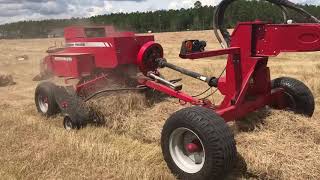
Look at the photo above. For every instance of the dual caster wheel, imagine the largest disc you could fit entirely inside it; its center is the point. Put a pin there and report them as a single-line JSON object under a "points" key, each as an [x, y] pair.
{"points": [[47, 105], [93, 117]]}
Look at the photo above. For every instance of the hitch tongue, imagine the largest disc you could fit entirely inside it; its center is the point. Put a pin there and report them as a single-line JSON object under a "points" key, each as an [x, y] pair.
{"points": [[165, 82]]}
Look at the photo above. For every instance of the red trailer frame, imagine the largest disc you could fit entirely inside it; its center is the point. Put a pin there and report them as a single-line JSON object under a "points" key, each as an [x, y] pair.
{"points": [[247, 84]]}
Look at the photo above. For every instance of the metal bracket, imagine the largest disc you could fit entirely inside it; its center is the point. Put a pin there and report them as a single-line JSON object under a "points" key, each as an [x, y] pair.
{"points": [[166, 82]]}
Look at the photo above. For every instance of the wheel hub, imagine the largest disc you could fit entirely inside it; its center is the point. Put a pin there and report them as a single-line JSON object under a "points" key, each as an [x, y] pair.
{"points": [[193, 147], [43, 103], [67, 122], [187, 150]]}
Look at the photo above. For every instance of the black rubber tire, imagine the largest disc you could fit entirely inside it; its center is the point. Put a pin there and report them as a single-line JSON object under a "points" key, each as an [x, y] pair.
{"points": [[69, 124], [217, 138], [47, 89], [298, 92]]}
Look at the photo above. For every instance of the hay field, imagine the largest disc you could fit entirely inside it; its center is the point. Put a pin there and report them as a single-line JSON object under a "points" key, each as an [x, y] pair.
{"points": [[281, 146]]}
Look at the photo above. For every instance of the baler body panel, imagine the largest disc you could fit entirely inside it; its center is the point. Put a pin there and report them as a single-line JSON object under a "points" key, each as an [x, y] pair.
{"points": [[127, 48], [71, 64], [102, 49], [108, 52]]}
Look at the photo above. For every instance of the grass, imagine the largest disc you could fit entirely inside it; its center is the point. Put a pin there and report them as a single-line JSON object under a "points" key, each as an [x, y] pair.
{"points": [[278, 145]]}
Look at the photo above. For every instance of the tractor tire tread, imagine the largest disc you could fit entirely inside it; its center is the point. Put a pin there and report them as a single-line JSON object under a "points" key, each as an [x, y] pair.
{"points": [[302, 95], [48, 88]]}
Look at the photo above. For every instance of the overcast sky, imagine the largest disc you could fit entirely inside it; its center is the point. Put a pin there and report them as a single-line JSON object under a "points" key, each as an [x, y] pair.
{"points": [[16, 10]]}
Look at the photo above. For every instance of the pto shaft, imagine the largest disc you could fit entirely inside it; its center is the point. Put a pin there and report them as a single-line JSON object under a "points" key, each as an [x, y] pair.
{"points": [[212, 81]]}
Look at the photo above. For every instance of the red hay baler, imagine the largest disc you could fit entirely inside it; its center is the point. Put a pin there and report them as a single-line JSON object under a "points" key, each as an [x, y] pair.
{"points": [[196, 142]]}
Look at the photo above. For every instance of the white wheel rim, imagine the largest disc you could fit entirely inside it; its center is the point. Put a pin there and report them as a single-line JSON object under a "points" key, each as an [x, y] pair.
{"points": [[186, 161], [68, 125], [43, 103]]}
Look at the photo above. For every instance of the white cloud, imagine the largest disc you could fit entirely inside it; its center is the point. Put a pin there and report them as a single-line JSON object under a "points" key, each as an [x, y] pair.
{"points": [[176, 4], [315, 2], [181, 4]]}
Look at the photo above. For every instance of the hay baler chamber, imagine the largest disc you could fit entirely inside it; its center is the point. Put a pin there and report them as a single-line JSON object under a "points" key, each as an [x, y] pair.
{"points": [[196, 141]]}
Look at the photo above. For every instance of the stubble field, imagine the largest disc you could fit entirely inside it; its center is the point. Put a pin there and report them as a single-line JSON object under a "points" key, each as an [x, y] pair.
{"points": [[281, 145]]}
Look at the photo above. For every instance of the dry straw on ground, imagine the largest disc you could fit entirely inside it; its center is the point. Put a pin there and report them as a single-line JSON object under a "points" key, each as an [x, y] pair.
{"points": [[6, 80], [271, 144]]}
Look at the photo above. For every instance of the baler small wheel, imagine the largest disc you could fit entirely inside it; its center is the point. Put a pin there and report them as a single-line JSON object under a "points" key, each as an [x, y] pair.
{"points": [[197, 144], [299, 96], [69, 124], [45, 100]]}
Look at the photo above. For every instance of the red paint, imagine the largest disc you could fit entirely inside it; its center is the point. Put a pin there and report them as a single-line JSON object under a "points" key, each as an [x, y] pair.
{"points": [[193, 147], [142, 57], [210, 53]]}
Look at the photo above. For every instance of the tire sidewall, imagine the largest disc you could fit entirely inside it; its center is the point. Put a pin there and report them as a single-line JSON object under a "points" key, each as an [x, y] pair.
{"points": [[178, 122], [74, 124], [46, 89], [301, 95]]}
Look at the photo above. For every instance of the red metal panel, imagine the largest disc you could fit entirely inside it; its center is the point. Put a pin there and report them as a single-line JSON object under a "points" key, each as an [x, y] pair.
{"points": [[233, 112], [127, 48], [198, 55], [103, 50], [72, 65], [85, 64], [65, 66], [239, 66], [271, 39], [109, 52]]}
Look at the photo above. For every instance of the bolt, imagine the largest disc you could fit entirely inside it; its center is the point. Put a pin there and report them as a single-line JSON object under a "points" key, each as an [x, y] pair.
{"points": [[233, 102]]}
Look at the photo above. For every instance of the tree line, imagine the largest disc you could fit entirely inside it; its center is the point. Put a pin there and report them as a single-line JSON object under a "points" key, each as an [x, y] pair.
{"points": [[196, 18]]}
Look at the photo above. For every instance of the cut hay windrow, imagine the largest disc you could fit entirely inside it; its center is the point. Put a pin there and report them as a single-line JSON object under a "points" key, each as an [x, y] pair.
{"points": [[135, 114], [117, 109]]}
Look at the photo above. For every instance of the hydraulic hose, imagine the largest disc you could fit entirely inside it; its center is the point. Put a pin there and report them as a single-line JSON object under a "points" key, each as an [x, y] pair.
{"points": [[218, 24]]}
